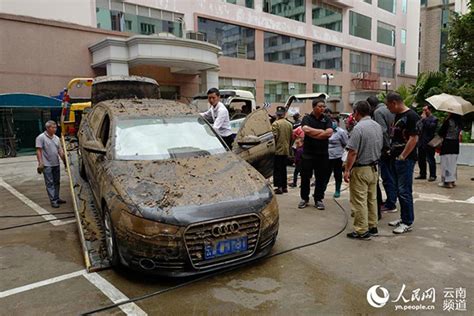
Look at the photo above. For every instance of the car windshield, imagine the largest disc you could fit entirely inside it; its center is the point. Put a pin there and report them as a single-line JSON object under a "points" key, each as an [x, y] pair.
{"points": [[165, 138]]}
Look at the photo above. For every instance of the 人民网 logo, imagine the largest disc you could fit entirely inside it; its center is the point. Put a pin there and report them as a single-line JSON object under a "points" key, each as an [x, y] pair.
{"points": [[374, 299]]}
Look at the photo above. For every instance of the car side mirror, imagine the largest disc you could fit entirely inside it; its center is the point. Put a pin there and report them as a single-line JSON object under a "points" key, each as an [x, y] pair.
{"points": [[251, 140], [95, 147]]}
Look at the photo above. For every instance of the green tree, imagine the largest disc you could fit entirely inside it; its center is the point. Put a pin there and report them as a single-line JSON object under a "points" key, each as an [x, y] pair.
{"points": [[460, 61]]}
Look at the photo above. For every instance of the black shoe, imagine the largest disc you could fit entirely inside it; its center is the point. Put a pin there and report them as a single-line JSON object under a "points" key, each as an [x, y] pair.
{"points": [[292, 185], [431, 179], [354, 235], [55, 204], [319, 205], [420, 178], [278, 191], [302, 204], [373, 231], [61, 201], [285, 190]]}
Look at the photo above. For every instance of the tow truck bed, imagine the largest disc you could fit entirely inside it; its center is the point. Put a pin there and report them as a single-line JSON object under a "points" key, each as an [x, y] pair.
{"points": [[88, 217]]}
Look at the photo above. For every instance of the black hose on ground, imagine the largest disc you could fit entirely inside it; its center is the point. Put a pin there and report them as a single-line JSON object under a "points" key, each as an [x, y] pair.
{"points": [[207, 276], [34, 223], [33, 215]]}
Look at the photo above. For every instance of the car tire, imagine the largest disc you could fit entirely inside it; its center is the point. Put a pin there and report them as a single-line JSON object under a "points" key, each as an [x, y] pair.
{"points": [[110, 240], [82, 169]]}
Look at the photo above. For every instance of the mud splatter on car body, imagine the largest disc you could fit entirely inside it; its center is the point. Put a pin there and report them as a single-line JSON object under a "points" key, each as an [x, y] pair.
{"points": [[168, 214]]}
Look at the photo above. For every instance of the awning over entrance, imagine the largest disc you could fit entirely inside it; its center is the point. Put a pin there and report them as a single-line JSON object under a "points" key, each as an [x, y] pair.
{"points": [[28, 100], [181, 56]]}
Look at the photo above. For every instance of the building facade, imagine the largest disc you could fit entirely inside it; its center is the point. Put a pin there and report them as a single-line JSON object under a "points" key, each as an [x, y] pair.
{"points": [[434, 21], [273, 48]]}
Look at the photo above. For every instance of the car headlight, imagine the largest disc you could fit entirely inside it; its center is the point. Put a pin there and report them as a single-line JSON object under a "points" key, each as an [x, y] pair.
{"points": [[270, 213], [146, 229]]}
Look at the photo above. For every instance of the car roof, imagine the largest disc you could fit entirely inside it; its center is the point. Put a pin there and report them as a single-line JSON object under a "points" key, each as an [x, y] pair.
{"points": [[148, 107], [305, 96], [116, 78], [225, 93]]}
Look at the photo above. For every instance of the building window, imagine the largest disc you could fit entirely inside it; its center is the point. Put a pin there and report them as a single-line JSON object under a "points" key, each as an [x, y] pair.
{"points": [[124, 18], [360, 25], [128, 25], [402, 67], [284, 49], [327, 56], [388, 5], [403, 36], [334, 91], [279, 91], [360, 62], [424, 2], [385, 33], [368, 1], [404, 6], [244, 3], [292, 9], [386, 67], [239, 84], [147, 29], [236, 41], [327, 16]]}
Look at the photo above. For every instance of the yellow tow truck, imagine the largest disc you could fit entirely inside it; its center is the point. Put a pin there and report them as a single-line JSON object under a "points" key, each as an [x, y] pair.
{"points": [[71, 113]]}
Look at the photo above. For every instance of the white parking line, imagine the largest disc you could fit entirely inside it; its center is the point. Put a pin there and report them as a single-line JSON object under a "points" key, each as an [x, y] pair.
{"points": [[99, 282], [35, 285], [35, 207], [114, 294]]}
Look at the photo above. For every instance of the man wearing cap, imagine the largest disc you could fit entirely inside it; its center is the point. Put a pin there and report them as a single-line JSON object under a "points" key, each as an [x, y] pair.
{"points": [[282, 130], [317, 128], [218, 115]]}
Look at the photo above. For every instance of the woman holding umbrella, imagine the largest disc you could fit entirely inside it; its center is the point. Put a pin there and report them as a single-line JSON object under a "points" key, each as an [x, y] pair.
{"points": [[449, 131]]}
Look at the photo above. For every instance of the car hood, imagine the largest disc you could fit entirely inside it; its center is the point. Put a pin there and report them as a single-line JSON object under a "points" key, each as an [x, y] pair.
{"points": [[189, 190]]}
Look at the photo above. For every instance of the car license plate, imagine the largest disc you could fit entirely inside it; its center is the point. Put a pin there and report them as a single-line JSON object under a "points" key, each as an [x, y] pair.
{"points": [[225, 247]]}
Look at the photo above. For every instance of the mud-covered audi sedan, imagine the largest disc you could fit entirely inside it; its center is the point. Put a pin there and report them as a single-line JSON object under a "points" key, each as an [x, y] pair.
{"points": [[174, 199]]}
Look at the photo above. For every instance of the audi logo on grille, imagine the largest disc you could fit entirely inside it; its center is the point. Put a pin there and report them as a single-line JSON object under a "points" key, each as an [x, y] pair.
{"points": [[224, 229]]}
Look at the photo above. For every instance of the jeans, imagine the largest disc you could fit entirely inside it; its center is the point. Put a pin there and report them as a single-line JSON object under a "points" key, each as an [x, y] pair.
{"points": [[403, 172], [52, 180], [320, 167], [296, 173], [388, 183], [280, 177], [426, 153]]}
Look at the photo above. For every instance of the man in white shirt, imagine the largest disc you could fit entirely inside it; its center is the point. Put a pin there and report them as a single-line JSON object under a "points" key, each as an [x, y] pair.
{"points": [[218, 115]]}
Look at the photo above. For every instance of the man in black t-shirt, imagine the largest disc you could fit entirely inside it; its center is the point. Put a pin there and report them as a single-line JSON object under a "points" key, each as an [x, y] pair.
{"points": [[317, 128], [403, 141]]}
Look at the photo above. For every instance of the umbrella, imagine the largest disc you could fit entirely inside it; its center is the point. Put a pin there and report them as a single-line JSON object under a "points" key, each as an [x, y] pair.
{"points": [[450, 103]]}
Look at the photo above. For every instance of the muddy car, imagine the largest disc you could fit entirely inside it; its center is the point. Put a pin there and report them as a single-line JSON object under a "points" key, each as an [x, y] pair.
{"points": [[174, 199]]}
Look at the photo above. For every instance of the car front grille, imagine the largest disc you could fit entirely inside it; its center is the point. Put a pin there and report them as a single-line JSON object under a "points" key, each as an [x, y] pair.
{"points": [[197, 235]]}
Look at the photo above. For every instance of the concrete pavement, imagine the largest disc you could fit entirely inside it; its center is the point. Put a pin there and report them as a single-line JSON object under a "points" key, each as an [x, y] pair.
{"points": [[331, 278]]}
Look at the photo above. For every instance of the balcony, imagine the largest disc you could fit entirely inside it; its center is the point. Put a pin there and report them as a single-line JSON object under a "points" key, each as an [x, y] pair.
{"points": [[366, 81], [342, 3]]}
